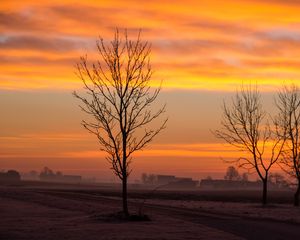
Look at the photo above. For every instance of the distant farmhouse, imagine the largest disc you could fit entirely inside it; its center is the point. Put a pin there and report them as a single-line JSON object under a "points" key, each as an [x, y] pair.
{"points": [[169, 181], [183, 183], [223, 184], [48, 175], [164, 179], [229, 183], [11, 176]]}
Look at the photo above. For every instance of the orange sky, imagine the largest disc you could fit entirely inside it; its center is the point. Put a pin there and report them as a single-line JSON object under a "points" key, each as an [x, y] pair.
{"points": [[202, 50]]}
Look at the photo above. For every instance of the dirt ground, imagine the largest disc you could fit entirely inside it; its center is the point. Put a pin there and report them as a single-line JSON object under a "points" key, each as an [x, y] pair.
{"points": [[31, 215], [282, 212], [43, 213]]}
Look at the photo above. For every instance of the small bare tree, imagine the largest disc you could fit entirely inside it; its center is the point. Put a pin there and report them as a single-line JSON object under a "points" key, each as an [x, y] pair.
{"points": [[288, 104], [245, 127], [119, 98], [232, 174]]}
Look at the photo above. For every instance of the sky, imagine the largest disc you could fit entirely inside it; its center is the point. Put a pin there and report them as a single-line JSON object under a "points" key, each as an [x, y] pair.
{"points": [[202, 50]]}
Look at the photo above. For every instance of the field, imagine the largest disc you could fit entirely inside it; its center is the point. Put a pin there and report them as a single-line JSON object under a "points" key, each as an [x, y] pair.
{"points": [[59, 211]]}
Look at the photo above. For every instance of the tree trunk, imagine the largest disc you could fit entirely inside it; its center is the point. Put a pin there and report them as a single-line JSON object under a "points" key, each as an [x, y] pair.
{"points": [[265, 190], [124, 195], [296, 195]]}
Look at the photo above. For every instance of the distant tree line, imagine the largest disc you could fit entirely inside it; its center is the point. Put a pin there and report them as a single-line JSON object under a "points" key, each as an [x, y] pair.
{"points": [[10, 176], [277, 179], [48, 174], [233, 174]]}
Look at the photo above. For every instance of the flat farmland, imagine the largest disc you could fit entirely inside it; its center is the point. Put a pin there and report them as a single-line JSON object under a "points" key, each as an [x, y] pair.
{"points": [[60, 211]]}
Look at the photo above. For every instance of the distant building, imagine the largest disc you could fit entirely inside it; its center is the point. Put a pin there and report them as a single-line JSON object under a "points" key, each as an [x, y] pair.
{"points": [[48, 175], [165, 179], [219, 184], [11, 176], [171, 181], [183, 183]]}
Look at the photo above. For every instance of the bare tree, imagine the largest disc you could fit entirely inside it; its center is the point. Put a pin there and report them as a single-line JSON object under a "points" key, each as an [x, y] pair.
{"points": [[232, 174], [288, 104], [119, 98], [245, 177], [245, 127]]}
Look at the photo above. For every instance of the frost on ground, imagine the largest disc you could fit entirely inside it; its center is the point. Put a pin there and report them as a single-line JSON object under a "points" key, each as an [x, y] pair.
{"points": [[30, 215], [281, 212]]}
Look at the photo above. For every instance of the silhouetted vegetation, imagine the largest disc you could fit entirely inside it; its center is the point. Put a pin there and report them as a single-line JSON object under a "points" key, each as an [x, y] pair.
{"points": [[118, 99], [244, 126], [233, 174], [10, 176], [288, 104]]}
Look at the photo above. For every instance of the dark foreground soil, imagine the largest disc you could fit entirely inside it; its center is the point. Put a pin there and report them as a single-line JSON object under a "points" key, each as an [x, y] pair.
{"points": [[43, 213]]}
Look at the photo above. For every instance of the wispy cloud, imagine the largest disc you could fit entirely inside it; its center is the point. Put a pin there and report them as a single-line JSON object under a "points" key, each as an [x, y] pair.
{"points": [[60, 45], [195, 45]]}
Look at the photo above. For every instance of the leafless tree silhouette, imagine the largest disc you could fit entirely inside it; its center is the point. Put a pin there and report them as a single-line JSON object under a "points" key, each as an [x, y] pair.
{"points": [[288, 104], [245, 127], [119, 98], [232, 174]]}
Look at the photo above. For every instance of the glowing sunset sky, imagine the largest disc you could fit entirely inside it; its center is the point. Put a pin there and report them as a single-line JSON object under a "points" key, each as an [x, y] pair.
{"points": [[202, 50]]}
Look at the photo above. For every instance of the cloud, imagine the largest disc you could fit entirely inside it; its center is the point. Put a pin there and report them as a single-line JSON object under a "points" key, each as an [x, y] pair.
{"points": [[194, 45], [40, 43], [281, 34], [17, 21], [227, 27], [37, 61], [291, 3], [272, 63], [86, 14]]}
